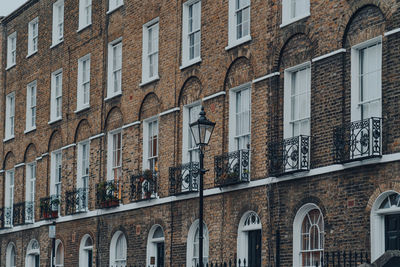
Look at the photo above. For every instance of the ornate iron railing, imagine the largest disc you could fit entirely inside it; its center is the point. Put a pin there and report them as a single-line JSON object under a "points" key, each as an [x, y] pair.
{"points": [[358, 140], [232, 168], [343, 259], [144, 185], [18, 214], [108, 194], [76, 201], [1, 218], [29, 212], [289, 155], [49, 207], [8, 217], [184, 178]]}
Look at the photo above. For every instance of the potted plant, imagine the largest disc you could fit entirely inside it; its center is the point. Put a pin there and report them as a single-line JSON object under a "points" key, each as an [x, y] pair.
{"points": [[106, 192], [148, 175], [54, 204]]}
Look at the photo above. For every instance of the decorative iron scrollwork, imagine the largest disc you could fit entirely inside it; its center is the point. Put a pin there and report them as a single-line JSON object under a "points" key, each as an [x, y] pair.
{"points": [[184, 178], [232, 168], [144, 185]]}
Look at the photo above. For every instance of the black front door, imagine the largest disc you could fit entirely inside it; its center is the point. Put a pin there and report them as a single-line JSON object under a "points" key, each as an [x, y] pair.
{"points": [[392, 232], [254, 257], [160, 254]]}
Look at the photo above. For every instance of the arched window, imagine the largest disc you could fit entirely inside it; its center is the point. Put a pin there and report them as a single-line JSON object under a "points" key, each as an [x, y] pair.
{"points": [[118, 250], [192, 250], [59, 260], [385, 224], [33, 254], [308, 236], [10, 257], [155, 247], [249, 239], [86, 252]]}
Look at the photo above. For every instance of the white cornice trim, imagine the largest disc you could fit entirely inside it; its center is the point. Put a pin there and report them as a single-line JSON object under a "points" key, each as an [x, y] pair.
{"points": [[169, 111], [39, 158], [266, 77], [131, 124], [1, 171], [96, 136], [391, 32], [19, 165], [213, 96], [68, 146], [45, 154], [341, 50]]}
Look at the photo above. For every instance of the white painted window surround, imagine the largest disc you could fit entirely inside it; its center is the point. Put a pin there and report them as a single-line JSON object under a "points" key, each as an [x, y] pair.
{"points": [[9, 195], [118, 249], [192, 244], [114, 4], [86, 252], [366, 79], [83, 92], [30, 190], [11, 50], [85, 13], [11, 258], [114, 155], [56, 173], [82, 181], [59, 258], [56, 96], [150, 51], [33, 36], [150, 144], [316, 223], [293, 10], [191, 33], [10, 116], [58, 22], [31, 90], [238, 23], [114, 66], [250, 221], [33, 254], [190, 152], [297, 100], [155, 237]]}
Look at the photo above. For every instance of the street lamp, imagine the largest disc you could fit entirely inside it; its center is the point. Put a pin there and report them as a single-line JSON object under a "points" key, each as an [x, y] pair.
{"points": [[201, 131]]}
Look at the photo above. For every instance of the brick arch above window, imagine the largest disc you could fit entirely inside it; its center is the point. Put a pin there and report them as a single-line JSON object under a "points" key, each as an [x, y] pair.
{"points": [[83, 131], [239, 72], [55, 141], [299, 48], [115, 119], [9, 161], [151, 106], [30, 153], [191, 91]]}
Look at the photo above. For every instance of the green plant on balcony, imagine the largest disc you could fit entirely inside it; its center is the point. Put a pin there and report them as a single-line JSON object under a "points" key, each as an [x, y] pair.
{"points": [[108, 194]]}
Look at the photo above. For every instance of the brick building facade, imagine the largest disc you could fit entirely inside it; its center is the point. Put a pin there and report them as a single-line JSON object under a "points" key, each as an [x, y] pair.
{"points": [[96, 101]]}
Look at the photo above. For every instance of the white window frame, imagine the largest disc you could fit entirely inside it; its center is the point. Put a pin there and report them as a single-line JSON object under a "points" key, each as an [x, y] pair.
{"points": [[152, 242], [113, 247], [83, 176], [56, 181], [83, 86], [85, 14], [11, 249], [10, 117], [187, 136], [147, 55], [287, 120], [186, 61], [56, 99], [58, 243], [33, 37], [11, 50], [30, 191], [114, 5], [112, 71], [58, 23], [297, 225], [9, 193], [31, 103], [32, 252], [232, 114], [287, 9], [146, 158], [233, 39], [243, 236], [355, 82], [83, 251], [110, 153], [191, 242]]}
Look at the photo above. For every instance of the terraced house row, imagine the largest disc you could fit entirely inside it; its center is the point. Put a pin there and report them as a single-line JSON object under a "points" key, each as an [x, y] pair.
{"points": [[97, 97]]}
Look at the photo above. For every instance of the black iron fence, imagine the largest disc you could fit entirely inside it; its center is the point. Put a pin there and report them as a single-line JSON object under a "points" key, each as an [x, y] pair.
{"points": [[108, 194], [49, 207], [144, 185], [358, 140], [184, 178], [344, 259], [232, 168], [76, 201], [289, 155]]}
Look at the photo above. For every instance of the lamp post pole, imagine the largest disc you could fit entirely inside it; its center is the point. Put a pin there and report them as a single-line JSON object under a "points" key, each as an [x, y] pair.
{"points": [[202, 171]]}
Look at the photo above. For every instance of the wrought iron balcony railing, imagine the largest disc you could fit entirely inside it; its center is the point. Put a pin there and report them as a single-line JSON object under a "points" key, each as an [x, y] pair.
{"points": [[144, 185], [2, 218], [76, 201], [232, 168], [358, 140], [108, 194], [29, 212], [184, 178], [8, 217], [49, 207], [289, 155], [18, 216]]}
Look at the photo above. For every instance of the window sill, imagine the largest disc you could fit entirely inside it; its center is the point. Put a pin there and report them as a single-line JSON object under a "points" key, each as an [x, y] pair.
{"points": [[54, 121], [190, 63], [290, 21], [31, 54], [10, 67], [56, 44], [238, 42], [30, 130], [114, 9], [153, 79], [113, 96], [83, 27], [8, 138], [81, 109]]}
